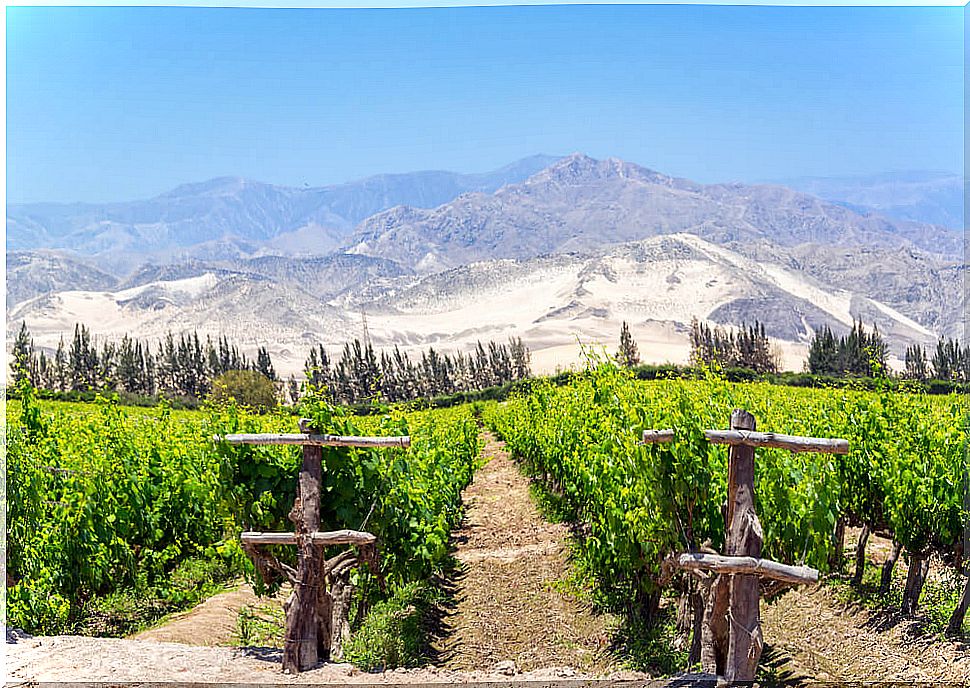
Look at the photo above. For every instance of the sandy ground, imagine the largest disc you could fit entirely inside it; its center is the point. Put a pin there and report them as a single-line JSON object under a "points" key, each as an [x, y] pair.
{"points": [[74, 658], [510, 601], [816, 635], [211, 623], [828, 640]]}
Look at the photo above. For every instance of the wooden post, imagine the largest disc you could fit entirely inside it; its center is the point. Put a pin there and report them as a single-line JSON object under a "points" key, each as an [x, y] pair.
{"points": [[731, 638], [316, 618], [715, 630], [302, 646], [744, 539]]}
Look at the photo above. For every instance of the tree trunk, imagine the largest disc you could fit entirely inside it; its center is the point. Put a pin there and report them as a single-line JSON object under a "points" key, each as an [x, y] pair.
{"points": [[685, 612], [342, 591], [860, 555], [697, 604], [648, 606], [714, 635], [837, 560], [918, 568], [887, 568], [955, 624]]}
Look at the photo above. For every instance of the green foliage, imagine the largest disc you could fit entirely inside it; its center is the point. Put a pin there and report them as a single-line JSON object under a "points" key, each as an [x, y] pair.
{"points": [[637, 504], [114, 512], [748, 348], [128, 610], [859, 353], [249, 388], [103, 500], [260, 625], [410, 499], [392, 634]]}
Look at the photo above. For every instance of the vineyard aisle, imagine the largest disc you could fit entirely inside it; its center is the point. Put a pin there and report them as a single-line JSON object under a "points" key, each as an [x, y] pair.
{"points": [[511, 602], [214, 622]]}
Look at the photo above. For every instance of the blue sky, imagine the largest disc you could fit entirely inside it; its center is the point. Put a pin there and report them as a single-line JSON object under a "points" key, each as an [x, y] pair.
{"points": [[119, 103]]}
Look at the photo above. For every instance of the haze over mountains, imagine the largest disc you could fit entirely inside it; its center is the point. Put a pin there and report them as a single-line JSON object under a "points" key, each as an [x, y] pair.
{"points": [[235, 216], [931, 197], [548, 249]]}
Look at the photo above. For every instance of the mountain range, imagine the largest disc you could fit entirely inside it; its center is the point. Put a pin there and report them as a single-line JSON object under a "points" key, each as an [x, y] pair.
{"points": [[230, 215], [548, 248]]}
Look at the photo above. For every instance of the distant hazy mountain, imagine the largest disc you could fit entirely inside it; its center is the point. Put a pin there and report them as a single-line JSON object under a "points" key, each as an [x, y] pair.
{"points": [[32, 273], [238, 211], [931, 197], [579, 203]]}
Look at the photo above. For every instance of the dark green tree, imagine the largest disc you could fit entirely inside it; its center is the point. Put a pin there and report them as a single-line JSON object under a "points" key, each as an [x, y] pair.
{"points": [[628, 354], [22, 355], [916, 365]]}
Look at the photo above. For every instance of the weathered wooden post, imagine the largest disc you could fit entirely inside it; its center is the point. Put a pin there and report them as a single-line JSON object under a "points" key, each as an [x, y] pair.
{"points": [[744, 539], [311, 620], [305, 641], [731, 638]]}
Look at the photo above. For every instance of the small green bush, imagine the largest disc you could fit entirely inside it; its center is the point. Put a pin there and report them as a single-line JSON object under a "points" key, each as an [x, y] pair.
{"points": [[248, 387], [391, 634]]}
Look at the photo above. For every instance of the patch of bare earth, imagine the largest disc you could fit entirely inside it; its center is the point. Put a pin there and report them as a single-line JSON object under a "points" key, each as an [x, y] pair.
{"points": [[817, 635], [123, 660], [213, 622], [511, 604]]}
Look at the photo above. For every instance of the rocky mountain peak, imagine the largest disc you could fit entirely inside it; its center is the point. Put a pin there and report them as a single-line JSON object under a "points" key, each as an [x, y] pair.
{"points": [[579, 168], [218, 186]]}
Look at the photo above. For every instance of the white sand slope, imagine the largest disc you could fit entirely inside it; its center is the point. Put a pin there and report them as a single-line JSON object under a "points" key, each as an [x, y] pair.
{"points": [[555, 304]]}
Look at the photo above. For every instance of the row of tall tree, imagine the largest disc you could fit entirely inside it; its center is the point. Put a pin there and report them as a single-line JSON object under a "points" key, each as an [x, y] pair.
{"points": [[186, 366], [174, 367], [859, 353], [747, 347], [950, 362], [360, 374]]}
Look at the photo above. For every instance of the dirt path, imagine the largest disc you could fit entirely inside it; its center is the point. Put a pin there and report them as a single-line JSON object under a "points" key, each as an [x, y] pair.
{"points": [[511, 604], [213, 622]]}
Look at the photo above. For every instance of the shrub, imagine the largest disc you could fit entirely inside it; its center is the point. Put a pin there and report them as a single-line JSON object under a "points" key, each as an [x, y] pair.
{"points": [[248, 387]]}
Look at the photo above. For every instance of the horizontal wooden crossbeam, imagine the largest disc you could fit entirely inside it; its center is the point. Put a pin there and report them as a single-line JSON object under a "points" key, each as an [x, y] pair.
{"points": [[325, 538], [750, 438], [802, 575], [306, 439]]}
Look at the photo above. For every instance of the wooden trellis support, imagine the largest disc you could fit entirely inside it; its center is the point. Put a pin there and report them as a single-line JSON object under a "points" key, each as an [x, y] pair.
{"points": [[731, 638], [316, 611]]}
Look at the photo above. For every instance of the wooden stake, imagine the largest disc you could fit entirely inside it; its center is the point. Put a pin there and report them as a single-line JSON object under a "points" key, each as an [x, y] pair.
{"points": [[311, 439], [302, 642], [768, 440], [744, 539], [320, 538], [715, 630]]}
